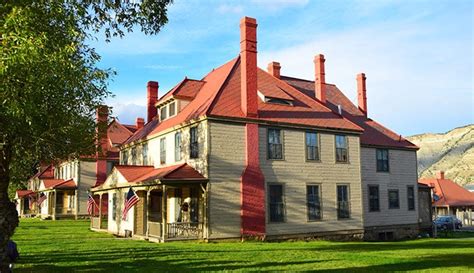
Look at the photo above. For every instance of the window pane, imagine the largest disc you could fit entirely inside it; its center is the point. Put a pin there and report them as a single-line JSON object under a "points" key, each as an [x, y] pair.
{"points": [[172, 109], [374, 198], [163, 113], [393, 201], [194, 145], [276, 205], [312, 152], [275, 148], [145, 154], [177, 146], [341, 141], [343, 204], [163, 151], [313, 203], [411, 197]]}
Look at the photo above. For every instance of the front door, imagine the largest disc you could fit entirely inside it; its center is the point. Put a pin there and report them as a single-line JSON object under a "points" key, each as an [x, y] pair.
{"points": [[140, 214]]}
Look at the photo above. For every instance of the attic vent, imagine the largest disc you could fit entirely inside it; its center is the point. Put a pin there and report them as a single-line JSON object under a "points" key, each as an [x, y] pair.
{"points": [[278, 101], [339, 109]]}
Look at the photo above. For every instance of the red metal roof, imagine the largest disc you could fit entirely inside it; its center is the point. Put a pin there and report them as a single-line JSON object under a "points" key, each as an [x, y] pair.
{"points": [[219, 96], [59, 184], [136, 174], [374, 133], [186, 89], [305, 110], [449, 193], [24, 193], [47, 172]]}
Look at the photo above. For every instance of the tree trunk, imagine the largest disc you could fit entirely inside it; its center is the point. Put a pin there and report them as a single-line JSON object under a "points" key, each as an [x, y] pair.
{"points": [[8, 213]]}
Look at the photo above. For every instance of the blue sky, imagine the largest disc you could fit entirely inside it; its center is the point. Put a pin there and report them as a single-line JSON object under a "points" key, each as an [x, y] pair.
{"points": [[417, 55]]}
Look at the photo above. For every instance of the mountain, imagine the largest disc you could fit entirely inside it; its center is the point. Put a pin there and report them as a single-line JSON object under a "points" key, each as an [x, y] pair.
{"points": [[452, 152]]}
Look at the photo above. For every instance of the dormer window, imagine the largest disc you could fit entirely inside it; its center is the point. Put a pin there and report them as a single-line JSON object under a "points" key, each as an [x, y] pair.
{"points": [[163, 112], [172, 109], [278, 101], [276, 96]]}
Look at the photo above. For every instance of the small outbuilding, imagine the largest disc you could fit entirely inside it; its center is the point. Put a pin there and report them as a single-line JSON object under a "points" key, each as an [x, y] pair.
{"points": [[449, 198]]}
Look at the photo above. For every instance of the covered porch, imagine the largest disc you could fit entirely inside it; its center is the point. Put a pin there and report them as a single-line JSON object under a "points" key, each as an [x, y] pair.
{"points": [[170, 206], [59, 199]]}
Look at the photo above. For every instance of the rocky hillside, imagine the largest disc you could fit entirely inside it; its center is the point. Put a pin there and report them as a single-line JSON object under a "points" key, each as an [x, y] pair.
{"points": [[452, 152]]}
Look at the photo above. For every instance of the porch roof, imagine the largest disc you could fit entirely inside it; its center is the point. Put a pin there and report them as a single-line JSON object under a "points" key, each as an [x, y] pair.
{"points": [[23, 193], [137, 174], [50, 184]]}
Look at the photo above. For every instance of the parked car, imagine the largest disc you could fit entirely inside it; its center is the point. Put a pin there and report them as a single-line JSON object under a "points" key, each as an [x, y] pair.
{"points": [[446, 222]]}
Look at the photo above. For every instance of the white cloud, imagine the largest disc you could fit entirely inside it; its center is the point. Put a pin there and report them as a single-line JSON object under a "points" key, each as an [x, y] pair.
{"points": [[226, 8], [412, 79]]}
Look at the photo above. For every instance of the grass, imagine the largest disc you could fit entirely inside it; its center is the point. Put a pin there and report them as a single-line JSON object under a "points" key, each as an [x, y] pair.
{"points": [[68, 246]]}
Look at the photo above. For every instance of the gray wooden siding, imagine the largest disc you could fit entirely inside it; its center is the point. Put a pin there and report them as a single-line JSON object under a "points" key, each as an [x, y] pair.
{"points": [[226, 163], [294, 172], [402, 173]]}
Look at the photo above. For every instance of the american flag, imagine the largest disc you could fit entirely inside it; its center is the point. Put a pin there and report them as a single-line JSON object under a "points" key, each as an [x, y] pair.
{"points": [[31, 201], [41, 198], [90, 204], [130, 201]]}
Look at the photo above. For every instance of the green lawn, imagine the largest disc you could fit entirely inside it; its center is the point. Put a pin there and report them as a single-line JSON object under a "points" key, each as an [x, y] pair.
{"points": [[68, 246]]}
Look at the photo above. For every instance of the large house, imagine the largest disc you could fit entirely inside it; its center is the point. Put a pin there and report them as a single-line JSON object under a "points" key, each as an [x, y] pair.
{"points": [[60, 190], [245, 152]]}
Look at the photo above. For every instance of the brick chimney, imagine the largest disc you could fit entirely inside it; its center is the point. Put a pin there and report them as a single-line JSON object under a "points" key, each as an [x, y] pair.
{"points": [[152, 97], [362, 92], [139, 123], [252, 180], [320, 78], [440, 175], [248, 66], [102, 141], [274, 69]]}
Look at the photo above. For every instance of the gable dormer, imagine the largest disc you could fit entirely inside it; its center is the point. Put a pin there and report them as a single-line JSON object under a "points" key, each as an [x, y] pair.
{"points": [[178, 97]]}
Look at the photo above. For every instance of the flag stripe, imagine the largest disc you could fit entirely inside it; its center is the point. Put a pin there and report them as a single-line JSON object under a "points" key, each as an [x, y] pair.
{"points": [[130, 201]]}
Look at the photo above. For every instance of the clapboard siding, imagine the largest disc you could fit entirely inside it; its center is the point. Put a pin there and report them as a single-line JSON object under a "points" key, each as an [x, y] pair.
{"points": [[402, 174], [226, 163], [294, 172]]}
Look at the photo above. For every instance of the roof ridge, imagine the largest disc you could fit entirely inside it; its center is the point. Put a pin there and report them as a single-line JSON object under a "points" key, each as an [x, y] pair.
{"points": [[221, 87]]}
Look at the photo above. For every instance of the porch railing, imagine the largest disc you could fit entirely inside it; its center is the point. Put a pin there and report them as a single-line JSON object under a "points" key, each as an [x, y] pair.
{"points": [[185, 230], [95, 222], [154, 229]]}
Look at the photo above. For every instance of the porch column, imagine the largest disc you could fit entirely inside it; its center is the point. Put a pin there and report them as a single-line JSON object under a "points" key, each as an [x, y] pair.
{"points": [[148, 202], [76, 207], [100, 210], [470, 217], [205, 225], [53, 204], [164, 230]]}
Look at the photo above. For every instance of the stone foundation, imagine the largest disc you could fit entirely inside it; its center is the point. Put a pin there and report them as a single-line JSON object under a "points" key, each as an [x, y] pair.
{"points": [[391, 233]]}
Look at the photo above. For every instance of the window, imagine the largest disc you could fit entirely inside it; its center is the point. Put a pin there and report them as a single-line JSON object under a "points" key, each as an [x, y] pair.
{"points": [[172, 109], [374, 201], [145, 154], [382, 160], [277, 207], [341, 148], [343, 205], [125, 157], [312, 149], [275, 148], [70, 201], [134, 156], [163, 113], [313, 202], [114, 206], [177, 146], [163, 151], [193, 143], [393, 201], [411, 197]]}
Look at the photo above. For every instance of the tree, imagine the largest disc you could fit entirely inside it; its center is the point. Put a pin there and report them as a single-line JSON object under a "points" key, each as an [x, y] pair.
{"points": [[50, 83]]}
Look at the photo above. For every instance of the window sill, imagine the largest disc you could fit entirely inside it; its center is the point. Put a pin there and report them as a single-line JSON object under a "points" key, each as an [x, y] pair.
{"points": [[343, 162], [344, 219], [313, 160]]}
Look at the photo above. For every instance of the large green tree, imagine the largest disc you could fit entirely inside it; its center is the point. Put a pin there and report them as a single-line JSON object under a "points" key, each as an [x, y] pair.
{"points": [[50, 85]]}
